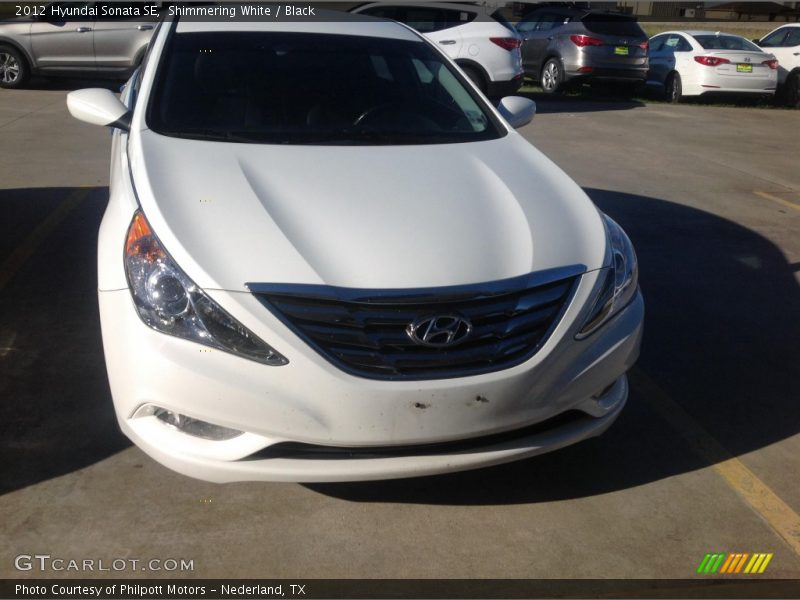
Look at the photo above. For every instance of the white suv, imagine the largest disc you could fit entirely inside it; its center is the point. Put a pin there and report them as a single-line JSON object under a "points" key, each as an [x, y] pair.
{"points": [[784, 43], [484, 44]]}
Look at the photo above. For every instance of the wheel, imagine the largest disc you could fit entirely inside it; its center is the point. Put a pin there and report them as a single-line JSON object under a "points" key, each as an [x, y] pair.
{"points": [[475, 77], [552, 77], [672, 88], [793, 90], [14, 69]]}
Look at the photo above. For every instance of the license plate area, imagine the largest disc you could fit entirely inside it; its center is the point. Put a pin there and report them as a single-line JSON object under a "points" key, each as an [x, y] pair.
{"points": [[621, 50], [744, 68]]}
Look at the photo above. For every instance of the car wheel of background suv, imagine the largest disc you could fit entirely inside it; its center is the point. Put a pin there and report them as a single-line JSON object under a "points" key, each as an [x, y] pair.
{"points": [[673, 89], [14, 69], [552, 76]]}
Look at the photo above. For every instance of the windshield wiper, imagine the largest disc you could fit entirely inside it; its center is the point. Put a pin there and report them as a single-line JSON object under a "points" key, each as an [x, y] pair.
{"points": [[217, 135]]}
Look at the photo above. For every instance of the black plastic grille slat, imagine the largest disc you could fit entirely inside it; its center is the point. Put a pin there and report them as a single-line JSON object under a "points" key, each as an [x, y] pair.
{"points": [[365, 334]]}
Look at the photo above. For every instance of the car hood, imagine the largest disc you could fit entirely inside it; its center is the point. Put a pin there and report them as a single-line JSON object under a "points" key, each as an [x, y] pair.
{"points": [[362, 216]]}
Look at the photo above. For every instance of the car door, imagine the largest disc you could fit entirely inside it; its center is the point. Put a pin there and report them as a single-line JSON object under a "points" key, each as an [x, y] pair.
{"points": [[673, 57], [526, 29], [784, 43], [120, 40], [657, 73], [537, 40], [64, 43], [682, 56]]}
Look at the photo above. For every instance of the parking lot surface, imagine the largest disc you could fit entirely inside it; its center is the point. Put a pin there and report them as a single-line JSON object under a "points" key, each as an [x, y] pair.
{"points": [[705, 457]]}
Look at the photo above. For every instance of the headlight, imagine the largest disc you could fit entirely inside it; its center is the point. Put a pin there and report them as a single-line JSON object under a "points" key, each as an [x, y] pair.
{"points": [[169, 302], [619, 281]]}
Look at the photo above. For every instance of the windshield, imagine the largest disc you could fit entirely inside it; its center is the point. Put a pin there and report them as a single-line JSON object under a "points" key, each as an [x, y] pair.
{"points": [[299, 88], [725, 42]]}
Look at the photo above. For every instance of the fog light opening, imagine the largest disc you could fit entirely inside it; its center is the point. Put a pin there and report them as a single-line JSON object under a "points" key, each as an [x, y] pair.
{"points": [[599, 395], [193, 427]]}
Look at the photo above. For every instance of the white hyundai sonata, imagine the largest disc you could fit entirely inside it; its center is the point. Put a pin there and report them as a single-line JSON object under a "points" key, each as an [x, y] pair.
{"points": [[327, 257], [693, 63]]}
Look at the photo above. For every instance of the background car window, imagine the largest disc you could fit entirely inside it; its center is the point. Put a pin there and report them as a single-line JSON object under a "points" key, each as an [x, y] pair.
{"points": [[428, 20], [607, 24], [725, 42], [384, 12], [293, 88], [774, 39], [528, 23], [675, 43], [793, 38], [657, 43], [548, 22], [500, 18]]}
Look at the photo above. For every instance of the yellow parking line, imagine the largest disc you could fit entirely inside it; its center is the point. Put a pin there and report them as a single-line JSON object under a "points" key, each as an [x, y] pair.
{"points": [[783, 520], [780, 201], [10, 266]]}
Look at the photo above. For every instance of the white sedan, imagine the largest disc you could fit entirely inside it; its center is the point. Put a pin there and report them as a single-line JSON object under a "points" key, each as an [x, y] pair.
{"points": [[326, 257], [692, 63]]}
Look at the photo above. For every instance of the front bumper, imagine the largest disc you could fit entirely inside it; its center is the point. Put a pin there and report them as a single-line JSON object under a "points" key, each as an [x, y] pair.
{"points": [[312, 402]]}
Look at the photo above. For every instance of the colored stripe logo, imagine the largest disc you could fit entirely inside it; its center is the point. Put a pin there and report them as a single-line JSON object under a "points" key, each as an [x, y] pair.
{"points": [[734, 563]]}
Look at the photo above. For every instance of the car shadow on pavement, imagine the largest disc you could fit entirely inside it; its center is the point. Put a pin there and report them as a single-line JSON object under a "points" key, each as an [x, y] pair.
{"points": [[584, 102], [56, 414], [721, 330]]}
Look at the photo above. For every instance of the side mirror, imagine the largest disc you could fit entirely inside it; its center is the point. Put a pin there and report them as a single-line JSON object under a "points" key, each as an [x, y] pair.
{"points": [[757, 42], [518, 111], [99, 106]]}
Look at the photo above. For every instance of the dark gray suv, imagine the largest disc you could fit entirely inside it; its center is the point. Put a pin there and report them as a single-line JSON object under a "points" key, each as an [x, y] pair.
{"points": [[563, 46]]}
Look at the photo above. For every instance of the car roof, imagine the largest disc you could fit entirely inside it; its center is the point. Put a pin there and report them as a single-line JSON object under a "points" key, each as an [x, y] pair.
{"points": [[328, 21], [694, 32]]}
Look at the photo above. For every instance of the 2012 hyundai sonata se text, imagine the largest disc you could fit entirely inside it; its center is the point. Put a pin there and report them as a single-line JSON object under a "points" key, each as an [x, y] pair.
{"points": [[327, 257]]}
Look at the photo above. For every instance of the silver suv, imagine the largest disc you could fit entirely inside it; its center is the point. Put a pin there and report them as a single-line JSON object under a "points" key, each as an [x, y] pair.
{"points": [[563, 46], [74, 39]]}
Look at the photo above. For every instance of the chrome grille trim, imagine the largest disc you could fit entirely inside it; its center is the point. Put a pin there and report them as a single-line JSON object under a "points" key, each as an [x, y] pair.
{"points": [[362, 331]]}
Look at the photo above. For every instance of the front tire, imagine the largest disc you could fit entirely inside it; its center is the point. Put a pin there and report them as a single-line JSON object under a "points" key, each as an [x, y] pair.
{"points": [[793, 90], [14, 71], [552, 78], [673, 90]]}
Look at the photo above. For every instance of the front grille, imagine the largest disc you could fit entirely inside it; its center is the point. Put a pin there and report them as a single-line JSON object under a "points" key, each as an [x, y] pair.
{"points": [[302, 451], [364, 332]]}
